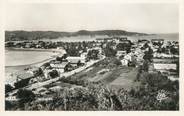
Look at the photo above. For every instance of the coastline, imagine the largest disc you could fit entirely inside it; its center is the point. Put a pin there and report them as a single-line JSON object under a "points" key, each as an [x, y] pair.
{"points": [[12, 71], [32, 64], [31, 49], [56, 52]]}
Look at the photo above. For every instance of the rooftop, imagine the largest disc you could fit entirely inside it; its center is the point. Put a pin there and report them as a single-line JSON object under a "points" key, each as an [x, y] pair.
{"points": [[25, 75]]}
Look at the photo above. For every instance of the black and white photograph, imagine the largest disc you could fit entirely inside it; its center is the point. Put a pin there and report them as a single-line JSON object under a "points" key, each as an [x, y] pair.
{"points": [[98, 56]]}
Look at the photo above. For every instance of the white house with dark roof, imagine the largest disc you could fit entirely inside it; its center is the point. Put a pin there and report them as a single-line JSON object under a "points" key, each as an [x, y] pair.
{"points": [[61, 66]]}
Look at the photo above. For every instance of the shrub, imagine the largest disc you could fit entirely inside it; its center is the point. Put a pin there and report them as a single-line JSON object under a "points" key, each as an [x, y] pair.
{"points": [[22, 83], [24, 96], [8, 88], [93, 96], [9, 105], [54, 74]]}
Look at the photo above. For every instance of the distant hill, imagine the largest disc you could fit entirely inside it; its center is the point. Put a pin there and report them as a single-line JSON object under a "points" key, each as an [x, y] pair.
{"points": [[166, 36], [39, 35]]}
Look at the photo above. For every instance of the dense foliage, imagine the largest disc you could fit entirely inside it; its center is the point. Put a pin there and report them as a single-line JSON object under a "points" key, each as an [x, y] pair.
{"points": [[22, 83], [54, 74], [109, 52], [93, 54], [8, 88], [155, 93]]}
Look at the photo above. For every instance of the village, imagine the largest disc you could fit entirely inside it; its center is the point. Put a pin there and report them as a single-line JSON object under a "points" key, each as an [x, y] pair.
{"points": [[158, 55], [92, 56]]}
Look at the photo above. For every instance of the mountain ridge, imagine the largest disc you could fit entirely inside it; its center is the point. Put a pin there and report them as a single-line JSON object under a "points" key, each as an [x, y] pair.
{"points": [[38, 35]]}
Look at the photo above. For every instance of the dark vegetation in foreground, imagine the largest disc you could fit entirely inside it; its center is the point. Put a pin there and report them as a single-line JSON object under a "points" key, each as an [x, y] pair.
{"points": [[155, 93]]}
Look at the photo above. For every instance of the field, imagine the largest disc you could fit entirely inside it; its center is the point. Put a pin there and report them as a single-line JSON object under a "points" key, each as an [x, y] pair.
{"points": [[110, 74]]}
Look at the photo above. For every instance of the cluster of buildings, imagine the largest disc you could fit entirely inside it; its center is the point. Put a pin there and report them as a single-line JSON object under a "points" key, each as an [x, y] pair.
{"points": [[164, 54], [165, 57]]}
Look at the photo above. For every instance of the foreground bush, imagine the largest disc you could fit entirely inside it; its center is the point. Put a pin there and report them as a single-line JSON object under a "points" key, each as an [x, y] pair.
{"points": [[93, 97], [8, 88], [155, 93]]}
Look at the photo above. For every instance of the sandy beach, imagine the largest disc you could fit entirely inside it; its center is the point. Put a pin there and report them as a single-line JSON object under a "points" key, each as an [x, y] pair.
{"points": [[19, 59]]}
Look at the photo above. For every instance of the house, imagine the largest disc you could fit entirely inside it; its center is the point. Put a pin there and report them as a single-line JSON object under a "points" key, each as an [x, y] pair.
{"points": [[157, 40], [165, 60], [28, 45], [99, 39], [128, 57], [163, 66], [83, 55], [34, 70], [121, 53], [23, 79], [24, 76], [169, 69], [76, 61], [47, 71], [108, 39], [56, 88], [124, 62], [120, 39], [61, 66], [143, 41]]}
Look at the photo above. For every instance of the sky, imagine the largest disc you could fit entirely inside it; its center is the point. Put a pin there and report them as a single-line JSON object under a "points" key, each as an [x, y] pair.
{"points": [[137, 17]]}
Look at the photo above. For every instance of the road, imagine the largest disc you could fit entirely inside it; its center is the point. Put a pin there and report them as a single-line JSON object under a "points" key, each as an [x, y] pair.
{"points": [[66, 74]]}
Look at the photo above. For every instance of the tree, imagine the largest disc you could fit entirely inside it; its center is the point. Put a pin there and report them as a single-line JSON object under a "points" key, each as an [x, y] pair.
{"points": [[93, 54], [59, 58], [110, 52], [148, 55], [22, 83], [145, 66], [39, 71], [117, 62], [173, 50], [47, 64], [145, 45], [64, 56], [124, 46], [8, 88], [54, 74], [24, 96]]}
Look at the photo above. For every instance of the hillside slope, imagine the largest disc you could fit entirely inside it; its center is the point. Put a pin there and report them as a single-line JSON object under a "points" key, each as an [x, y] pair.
{"points": [[37, 35]]}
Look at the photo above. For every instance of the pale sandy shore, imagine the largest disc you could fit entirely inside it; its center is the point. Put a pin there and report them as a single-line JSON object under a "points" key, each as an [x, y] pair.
{"points": [[12, 71]]}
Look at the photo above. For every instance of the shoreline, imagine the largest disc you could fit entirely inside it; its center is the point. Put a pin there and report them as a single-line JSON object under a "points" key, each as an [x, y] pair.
{"points": [[13, 69], [31, 49], [32, 64], [57, 51]]}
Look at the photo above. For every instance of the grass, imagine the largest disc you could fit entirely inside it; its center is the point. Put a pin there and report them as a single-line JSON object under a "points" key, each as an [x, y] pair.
{"points": [[117, 77], [126, 79]]}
